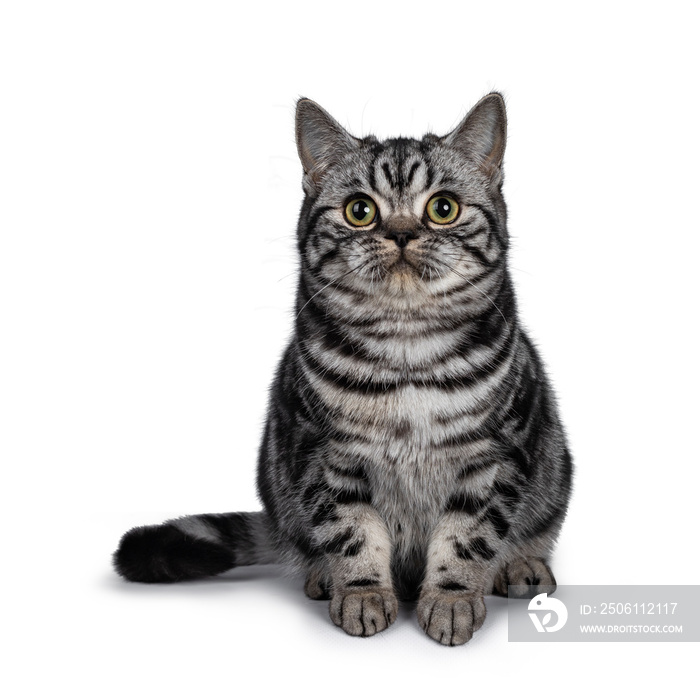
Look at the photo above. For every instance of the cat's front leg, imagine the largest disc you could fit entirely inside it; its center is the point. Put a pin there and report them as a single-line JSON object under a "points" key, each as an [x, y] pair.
{"points": [[460, 555], [358, 552]]}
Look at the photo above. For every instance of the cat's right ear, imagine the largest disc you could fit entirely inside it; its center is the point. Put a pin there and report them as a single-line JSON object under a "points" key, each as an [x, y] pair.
{"points": [[321, 141]]}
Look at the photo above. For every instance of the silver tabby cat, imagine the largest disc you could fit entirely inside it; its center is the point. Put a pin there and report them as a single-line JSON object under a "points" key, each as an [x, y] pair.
{"points": [[412, 448]]}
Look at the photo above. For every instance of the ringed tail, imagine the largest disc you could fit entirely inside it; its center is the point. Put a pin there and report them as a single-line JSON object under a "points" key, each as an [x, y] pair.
{"points": [[194, 546]]}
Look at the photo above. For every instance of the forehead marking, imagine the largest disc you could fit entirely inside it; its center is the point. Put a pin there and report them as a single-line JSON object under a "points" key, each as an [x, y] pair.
{"points": [[411, 173]]}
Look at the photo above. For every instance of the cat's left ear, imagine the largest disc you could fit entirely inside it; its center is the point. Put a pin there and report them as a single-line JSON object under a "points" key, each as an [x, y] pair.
{"points": [[321, 141], [481, 135]]}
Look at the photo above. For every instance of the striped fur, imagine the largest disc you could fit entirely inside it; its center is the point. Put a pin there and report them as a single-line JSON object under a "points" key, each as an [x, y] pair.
{"points": [[412, 447]]}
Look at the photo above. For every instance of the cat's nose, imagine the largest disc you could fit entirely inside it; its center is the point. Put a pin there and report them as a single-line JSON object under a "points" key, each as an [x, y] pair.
{"points": [[401, 238]]}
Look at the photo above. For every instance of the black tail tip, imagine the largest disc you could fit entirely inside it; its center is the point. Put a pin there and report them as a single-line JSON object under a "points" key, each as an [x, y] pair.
{"points": [[164, 554]]}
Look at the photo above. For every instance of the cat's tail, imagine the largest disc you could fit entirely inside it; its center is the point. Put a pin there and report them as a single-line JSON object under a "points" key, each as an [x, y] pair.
{"points": [[194, 547]]}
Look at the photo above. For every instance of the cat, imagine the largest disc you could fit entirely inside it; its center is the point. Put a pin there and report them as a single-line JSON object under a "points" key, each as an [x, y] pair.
{"points": [[412, 449]]}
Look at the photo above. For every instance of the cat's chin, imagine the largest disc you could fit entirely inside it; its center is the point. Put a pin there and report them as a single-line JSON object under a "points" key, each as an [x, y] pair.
{"points": [[404, 280], [403, 267]]}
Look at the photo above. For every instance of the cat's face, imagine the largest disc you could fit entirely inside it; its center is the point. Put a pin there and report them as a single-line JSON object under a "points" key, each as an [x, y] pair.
{"points": [[402, 220]]}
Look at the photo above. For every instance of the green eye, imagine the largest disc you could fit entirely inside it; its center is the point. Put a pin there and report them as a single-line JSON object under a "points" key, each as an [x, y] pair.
{"points": [[361, 211], [442, 209]]}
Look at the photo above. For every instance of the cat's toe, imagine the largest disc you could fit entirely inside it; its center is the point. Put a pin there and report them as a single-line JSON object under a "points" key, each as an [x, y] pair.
{"points": [[526, 577], [317, 586], [362, 613], [451, 619]]}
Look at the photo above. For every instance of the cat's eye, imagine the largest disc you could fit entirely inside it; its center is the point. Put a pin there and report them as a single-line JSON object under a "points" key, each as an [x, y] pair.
{"points": [[361, 211], [442, 209]]}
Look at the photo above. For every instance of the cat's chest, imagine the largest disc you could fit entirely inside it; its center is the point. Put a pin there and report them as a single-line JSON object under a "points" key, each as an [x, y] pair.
{"points": [[407, 446]]}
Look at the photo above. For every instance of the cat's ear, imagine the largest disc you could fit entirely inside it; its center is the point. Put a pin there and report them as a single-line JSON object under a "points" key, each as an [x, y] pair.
{"points": [[481, 135], [321, 141]]}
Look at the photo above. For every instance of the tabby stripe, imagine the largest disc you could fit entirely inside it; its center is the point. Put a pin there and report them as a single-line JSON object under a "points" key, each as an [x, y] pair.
{"points": [[471, 234], [337, 543], [466, 503], [324, 513], [452, 586], [354, 548], [314, 492], [462, 552], [475, 252], [510, 493], [369, 386], [497, 519], [346, 496], [475, 468], [523, 405], [481, 548], [389, 177], [400, 149], [233, 528], [459, 440], [430, 177], [317, 214], [360, 582], [541, 525], [469, 284], [328, 255], [355, 471], [492, 221], [411, 173], [521, 460], [312, 326], [344, 382], [373, 174]]}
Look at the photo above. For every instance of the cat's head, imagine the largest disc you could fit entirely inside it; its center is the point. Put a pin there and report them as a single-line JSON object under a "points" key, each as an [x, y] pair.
{"points": [[402, 219]]}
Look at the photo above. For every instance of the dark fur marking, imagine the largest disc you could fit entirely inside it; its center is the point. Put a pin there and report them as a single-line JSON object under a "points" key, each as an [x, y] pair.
{"points": [[387, 173], [499, 522], [163, 554], [480, 547], [466, 503], [411, 173], [324, 513], [313, 220], [452, 586], [354, 548], [475, 468], [360, 582], [402, 429], [542, 524], [521, 460], [510, 493], [336, 544], [353, 471], [346, 496], [462, 552]]}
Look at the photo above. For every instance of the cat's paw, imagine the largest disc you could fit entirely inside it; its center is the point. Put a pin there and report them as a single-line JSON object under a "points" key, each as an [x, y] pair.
{"points": [[450, 618], [364, 612], [526, 577], [317, 586]]}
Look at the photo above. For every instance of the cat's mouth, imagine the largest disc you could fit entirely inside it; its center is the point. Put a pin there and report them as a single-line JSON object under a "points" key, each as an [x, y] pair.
{"points": [[403, 264]]}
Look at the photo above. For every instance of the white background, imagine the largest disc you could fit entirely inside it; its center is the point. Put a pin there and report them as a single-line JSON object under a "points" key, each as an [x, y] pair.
{"points": [[149, 190]]}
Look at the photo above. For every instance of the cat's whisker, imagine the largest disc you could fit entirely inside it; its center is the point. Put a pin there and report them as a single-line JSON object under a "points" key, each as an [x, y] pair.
{"points": [[332, 282], [481, 291]]}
